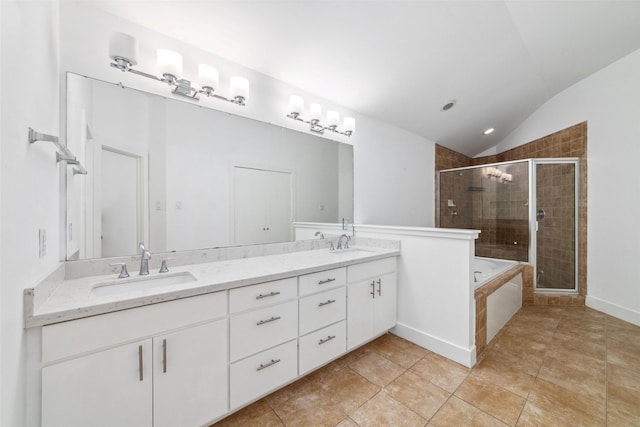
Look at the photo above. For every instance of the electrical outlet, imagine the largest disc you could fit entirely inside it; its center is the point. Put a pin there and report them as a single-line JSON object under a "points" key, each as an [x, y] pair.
{"points": [[42, 242]]}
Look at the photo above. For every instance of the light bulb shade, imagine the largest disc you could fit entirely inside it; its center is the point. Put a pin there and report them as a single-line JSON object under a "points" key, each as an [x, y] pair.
{"points": [[208, 76], [296, 104], [123, 46], [349, 124], [333, 118], [169, 62], [315, 111], [239, 87]]}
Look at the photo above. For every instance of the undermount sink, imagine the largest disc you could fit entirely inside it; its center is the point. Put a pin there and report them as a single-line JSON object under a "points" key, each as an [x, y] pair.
{"points": [[141, 283]]}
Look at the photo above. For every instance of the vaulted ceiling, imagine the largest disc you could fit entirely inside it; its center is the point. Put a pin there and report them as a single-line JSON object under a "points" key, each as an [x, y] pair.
{"points": [[401, 61]]}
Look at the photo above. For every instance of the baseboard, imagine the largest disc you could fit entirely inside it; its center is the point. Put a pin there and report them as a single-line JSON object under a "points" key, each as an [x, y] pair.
{"points": [[614, 310], [466, 357]]}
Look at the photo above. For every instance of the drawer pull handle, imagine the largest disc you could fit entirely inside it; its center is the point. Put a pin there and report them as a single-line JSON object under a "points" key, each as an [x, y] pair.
{"points": [[164, 356], [273, 319], [327, 302], [140, 367], [266, 365], [322, 282], [270, 294], [327, 339]]}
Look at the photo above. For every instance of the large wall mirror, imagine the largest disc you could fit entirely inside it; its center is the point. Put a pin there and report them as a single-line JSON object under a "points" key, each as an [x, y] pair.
{"points": [[178, 176]]}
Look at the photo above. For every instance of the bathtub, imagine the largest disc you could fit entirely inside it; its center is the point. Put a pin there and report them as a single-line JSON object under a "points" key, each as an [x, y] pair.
{"points": [[486, 269], [501, 298]]}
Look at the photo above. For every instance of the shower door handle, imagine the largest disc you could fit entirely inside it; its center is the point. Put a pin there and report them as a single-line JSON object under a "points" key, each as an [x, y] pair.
{"points": [[540, 214]]}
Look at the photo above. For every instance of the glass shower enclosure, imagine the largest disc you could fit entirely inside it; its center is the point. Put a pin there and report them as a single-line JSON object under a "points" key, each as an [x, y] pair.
{"points": [[526, 210]]}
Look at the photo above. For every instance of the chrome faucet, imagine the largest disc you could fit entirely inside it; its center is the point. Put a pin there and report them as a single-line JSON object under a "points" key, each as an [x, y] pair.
{"points": [[346, 242], [475, 278], [319, 233], [144, 260]]}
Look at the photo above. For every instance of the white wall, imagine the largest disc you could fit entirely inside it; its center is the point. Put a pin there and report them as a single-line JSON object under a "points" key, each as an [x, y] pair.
{"points": [[609, 101], [29, 177], [393, 169]]}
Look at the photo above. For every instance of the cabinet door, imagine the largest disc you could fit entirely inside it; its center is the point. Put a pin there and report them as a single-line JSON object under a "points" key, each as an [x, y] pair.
{"points": [[385, 303], [108, 388], [360, 312], [190, 375]]}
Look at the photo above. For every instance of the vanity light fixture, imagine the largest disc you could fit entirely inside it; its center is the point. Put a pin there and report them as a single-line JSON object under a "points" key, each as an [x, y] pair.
{"points": [[296, 105], [123, 50]]}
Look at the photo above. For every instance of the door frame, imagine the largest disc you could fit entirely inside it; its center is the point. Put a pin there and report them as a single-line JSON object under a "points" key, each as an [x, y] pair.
{"points": [[533, 222]]}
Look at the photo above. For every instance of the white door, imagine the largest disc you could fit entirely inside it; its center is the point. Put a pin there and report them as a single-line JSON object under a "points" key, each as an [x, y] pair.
{"points": [[190, 376], [108, 388], [262, 206], [120, 203]]}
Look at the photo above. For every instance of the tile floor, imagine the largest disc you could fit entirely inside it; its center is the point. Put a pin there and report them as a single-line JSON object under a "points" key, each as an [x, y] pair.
{"points": [[550, 366]]}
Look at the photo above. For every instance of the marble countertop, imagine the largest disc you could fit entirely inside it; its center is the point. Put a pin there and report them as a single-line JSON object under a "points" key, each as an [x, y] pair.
{"points": [[73, 298]]}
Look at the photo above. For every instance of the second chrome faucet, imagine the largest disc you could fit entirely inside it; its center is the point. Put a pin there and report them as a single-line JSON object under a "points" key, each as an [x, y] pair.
{"points": [[144, 260]]}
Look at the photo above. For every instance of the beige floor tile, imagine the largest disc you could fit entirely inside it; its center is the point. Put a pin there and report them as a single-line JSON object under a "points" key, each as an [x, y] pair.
{"points": [[629, 337], [517, 358], [383, 410], [494, 400], [324, 371], [347, 389], [516, 381], [441, 371], [542, 335], [309, 407], [457, 412], [622, 354], [303, 385], [377, 369], [347, 422], [623, 406], [623, 377], [256, 414], [591, 346], [575, 372], [397, 350], [552, 405], [581, 327], [417, 394], [353, 355], [613, 321]]}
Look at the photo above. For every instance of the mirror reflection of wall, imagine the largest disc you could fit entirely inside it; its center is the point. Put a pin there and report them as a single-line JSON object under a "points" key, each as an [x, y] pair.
{"points": [[178, 176]]}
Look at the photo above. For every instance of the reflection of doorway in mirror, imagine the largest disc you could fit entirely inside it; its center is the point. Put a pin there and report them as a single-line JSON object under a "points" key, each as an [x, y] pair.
{"points": [[262, 206], [121, 202]]}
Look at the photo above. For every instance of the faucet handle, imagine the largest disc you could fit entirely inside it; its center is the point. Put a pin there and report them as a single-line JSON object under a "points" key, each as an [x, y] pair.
{"points": [[123, 270], [163, 266]]}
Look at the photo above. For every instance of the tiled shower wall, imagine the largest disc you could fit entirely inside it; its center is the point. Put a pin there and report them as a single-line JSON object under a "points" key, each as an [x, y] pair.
{"points": [[569, 142]]}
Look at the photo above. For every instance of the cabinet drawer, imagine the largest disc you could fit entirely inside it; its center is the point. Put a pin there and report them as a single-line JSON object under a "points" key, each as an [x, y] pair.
{"points": [[322, 280], [257, 330], [93, 333], [262, 294], [370, 269], [319, 310], [321, 346], [263, 372]]}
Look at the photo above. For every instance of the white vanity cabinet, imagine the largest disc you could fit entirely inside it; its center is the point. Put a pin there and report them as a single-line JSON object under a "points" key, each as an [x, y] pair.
{"points": [[264, 331], [371, 300], [123, 369]]}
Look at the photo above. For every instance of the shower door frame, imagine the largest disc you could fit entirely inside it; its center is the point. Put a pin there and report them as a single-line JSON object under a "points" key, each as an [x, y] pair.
{"points": [[533, 222]]}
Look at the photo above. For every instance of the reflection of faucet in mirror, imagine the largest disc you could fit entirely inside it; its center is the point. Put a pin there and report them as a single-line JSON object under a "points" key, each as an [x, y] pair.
{"points": [[346, 242], [320, 233], [144, 260]]}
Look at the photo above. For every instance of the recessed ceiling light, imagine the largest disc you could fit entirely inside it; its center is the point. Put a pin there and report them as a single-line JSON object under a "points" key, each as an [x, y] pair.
{"points": [[449, 105], [488, 131]]}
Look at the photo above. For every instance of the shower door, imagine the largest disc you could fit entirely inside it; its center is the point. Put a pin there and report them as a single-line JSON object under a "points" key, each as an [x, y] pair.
{"points": [[556, 224]]}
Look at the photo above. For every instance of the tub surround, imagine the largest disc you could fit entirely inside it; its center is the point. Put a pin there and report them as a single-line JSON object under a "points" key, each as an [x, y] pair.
{"points": [[66, 293], [482, 292]]}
